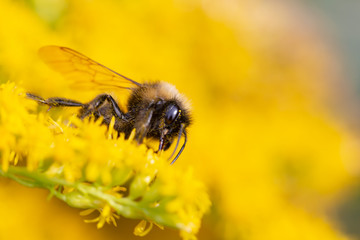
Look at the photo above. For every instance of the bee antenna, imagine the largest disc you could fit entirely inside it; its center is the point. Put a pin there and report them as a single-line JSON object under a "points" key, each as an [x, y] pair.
{"points": [[182, 147]]}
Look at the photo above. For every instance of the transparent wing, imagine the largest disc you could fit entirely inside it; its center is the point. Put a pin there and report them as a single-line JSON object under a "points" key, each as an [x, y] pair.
{"points": [[83, 72]]}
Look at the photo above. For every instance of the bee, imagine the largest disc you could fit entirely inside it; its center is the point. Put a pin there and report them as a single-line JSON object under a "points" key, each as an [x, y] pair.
{"points": [[156, 110]]}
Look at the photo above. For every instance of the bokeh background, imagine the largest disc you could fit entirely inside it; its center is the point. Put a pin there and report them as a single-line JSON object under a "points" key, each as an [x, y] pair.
{"points": [[274, 87]]}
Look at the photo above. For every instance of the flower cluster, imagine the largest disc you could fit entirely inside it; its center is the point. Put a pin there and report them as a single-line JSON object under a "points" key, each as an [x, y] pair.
{"points": [[93, 167]]}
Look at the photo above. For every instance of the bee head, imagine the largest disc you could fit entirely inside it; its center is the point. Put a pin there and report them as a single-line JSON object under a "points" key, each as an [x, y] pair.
{"points": [[170, 113], [174, 121], [170, 117]]}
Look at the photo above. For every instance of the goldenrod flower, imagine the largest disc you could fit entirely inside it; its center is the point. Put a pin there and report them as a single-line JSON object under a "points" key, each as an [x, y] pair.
{"points": [[91, 166]]}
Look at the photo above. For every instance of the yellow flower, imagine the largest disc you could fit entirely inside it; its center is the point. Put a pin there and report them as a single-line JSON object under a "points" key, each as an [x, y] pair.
{"points": [[142, 229], [86, 165], [106, 216]]}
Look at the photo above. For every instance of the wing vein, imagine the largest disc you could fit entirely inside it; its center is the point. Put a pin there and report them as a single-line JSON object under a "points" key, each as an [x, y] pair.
{"points": [[81, 70]]}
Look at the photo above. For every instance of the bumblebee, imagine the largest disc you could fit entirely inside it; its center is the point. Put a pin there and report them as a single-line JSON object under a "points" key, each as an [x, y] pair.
{"points": [[155, 109]]}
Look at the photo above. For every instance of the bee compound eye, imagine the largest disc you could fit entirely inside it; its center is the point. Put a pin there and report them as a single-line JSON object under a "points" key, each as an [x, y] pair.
{"points": [[171, 114]]}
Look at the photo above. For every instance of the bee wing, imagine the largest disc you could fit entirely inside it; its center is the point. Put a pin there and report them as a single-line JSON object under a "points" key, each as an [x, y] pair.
{"points": [[83, 72]]}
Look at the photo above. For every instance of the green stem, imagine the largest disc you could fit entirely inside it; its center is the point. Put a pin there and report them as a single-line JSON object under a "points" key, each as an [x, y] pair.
{"points": [[123, 206], [87, 196]]}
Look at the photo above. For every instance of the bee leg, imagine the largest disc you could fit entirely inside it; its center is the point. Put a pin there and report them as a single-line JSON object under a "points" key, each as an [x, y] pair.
{"points": [[95, 104], [55, 101], [142, 127]]}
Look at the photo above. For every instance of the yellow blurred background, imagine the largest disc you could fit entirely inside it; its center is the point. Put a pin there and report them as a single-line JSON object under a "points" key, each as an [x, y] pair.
{"points": [[274, 138]]}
